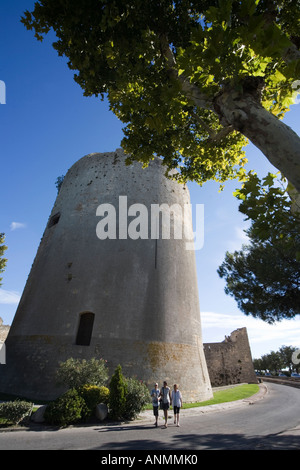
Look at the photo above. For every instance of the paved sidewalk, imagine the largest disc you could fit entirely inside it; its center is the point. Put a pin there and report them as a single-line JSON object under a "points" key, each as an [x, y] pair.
{"points": [[147, 415]]}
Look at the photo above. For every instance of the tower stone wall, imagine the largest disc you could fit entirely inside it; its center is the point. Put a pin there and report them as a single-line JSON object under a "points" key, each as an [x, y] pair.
{"points": [[130, 301]]}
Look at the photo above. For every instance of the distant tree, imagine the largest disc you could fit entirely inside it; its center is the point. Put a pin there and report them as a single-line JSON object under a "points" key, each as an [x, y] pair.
{"points": [[258, 365], [276, 360], [286, 353], [264, 277], [261, 364], [3, 261], [265, 363], [192, 81]]}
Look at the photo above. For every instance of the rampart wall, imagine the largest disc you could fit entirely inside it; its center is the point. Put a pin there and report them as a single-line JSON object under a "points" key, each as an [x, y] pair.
{"points": [[230, 362], [4, 329]]}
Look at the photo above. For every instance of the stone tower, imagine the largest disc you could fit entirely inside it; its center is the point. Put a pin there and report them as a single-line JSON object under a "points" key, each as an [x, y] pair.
{"points": [[130, 300]]}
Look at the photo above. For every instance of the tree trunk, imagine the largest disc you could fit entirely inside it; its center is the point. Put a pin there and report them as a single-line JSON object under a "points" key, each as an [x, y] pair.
{"points": [[277, 141]]}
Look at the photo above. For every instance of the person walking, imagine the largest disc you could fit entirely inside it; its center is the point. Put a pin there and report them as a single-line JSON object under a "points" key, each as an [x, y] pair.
{"points": [[176, 403], [165, 395], [155, 393]]}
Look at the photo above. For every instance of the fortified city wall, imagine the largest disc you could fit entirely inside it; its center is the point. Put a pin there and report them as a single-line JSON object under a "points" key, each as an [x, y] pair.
{"points": [[230, 362]]}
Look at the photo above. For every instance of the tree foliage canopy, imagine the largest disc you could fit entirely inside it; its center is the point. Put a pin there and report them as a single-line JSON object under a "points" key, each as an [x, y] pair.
{"points": [[191, 80], [264, 277]]}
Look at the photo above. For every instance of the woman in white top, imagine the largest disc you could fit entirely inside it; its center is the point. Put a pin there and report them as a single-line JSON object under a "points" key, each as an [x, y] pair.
{"points": [[176, 403], [165, 394]]}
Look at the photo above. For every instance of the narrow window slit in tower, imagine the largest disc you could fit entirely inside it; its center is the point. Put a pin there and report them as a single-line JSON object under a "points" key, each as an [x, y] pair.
{"points": [[85, 328], [54, 220]]}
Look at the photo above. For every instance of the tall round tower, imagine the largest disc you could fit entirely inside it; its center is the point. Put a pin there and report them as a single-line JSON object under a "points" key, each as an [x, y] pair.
{"points": [[108, 281]]}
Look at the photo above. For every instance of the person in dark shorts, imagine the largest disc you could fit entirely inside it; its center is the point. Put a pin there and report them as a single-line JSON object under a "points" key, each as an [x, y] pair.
{"points": [[176, 403], [155, 393], [165, 395]]}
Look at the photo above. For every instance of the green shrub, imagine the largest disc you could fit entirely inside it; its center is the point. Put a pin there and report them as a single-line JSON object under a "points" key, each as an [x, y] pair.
{"points": [[104, 395], [137, 398], [13, 412], [93, 395], [75, 373], [66, 409], [128, 396], [117, 394]]}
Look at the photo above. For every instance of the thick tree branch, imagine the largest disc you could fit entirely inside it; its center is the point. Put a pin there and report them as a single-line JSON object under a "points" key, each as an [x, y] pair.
{"points": [[191, 90], [278, 142], [291, 53], [218, 136], [214, 137]]}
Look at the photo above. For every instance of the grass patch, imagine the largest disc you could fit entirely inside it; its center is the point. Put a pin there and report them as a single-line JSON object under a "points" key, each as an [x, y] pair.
{"points": [[223, 396], [229, 394]]}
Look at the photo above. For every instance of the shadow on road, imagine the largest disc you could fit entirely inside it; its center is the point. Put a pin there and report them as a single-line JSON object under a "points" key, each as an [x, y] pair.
{"points": [[207, 442]]}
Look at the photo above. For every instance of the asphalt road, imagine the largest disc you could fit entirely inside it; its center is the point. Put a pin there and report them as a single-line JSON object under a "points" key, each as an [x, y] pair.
{"points": [[270, 423]]}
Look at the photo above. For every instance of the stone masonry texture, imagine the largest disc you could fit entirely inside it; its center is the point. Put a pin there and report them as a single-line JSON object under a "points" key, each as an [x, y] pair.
{"points": [[230, 362]]}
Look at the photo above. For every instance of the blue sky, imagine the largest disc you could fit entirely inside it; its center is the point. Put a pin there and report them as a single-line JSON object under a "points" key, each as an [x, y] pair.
{"points": [[45, 126]]}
